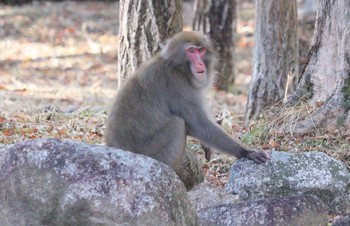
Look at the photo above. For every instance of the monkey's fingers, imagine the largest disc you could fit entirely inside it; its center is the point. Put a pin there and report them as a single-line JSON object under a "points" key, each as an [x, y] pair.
{"points": [[259, 156]]}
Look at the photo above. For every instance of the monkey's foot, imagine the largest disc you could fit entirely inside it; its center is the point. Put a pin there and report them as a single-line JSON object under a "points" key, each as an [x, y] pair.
{"points": [[259, 156]]}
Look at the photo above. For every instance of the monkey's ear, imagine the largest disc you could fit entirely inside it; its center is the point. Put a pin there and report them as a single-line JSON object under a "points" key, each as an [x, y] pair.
{"points": [[165, 53], [207, 40], [163, 44]]}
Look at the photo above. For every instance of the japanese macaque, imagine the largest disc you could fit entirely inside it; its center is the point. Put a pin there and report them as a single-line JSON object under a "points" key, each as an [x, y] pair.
{"points": [[163, 102]]}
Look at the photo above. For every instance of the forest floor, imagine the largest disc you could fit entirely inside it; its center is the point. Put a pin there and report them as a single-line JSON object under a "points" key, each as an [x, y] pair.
{"points": [[58, 78]]}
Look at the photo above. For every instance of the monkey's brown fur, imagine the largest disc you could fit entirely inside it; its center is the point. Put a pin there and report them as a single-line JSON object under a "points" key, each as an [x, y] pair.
{"points": [[163, 102]]}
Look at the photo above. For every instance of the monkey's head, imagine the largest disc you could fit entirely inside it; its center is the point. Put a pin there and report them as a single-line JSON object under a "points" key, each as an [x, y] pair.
{"points": [[192, 53]]}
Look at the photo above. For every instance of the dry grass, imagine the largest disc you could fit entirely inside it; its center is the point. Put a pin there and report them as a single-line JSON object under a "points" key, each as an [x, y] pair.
{"points": [[275, 130]]}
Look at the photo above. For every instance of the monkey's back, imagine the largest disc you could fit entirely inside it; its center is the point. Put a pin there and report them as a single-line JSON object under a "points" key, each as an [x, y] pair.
{"points": [[140, 112]]}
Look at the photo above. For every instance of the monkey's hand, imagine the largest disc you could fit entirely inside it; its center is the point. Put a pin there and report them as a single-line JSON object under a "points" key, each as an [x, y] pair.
{"points": [[259, 156]]}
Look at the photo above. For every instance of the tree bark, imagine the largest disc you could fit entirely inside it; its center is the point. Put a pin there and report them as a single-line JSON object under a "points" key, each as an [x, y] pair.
{"points": [[143, 26], [275, 53], [219, 18], [325, 79], [201, 17], [223, 22]]}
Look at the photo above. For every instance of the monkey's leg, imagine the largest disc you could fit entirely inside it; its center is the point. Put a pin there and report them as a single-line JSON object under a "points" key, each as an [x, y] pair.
{"points": [[174, 141]]}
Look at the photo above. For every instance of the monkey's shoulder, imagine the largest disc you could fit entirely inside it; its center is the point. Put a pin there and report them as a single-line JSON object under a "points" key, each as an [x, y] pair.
{"points": [[155, 62], [154, 70], [147, 79]]}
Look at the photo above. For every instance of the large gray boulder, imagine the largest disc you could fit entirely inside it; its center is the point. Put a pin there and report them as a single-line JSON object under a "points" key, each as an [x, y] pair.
{"points": [[52, 182], [299, 210], [290, 174]]}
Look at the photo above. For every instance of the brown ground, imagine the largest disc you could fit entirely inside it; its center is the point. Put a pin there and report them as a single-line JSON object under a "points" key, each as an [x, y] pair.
{"points": [[59, 54]]}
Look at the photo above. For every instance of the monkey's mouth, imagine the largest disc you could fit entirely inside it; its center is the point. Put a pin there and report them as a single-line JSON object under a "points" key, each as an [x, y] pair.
{"points": [[200, 75]]}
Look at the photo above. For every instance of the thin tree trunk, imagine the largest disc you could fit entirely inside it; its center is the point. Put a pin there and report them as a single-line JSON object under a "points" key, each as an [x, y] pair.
{"points": [[325, 80], [201, 17], [223, 22], [275, 53], [143, 26]]}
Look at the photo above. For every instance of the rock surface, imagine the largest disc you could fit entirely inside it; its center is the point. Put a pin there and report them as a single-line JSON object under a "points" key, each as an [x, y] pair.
{"points": [[206, 194], [343, 221], [290, 174], [52, 182], [297, 211]]}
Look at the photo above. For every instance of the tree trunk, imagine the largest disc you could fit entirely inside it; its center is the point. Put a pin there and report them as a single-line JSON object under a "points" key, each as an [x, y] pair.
{"points": [[143, 26], [201, 17], [325, 79], [275, 53], [219, 18], [223, 22]]}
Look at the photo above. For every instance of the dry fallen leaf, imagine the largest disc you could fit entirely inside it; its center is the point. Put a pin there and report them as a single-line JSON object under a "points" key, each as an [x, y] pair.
{"points": [[273, 143], [2, 119]]}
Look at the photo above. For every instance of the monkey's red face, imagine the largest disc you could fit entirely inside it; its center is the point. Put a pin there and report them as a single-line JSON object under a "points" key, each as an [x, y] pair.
{"points": [[196, 55]]}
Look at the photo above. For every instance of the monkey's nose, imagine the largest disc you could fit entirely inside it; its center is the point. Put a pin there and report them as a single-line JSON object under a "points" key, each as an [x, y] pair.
{"points": [[200, 68]]}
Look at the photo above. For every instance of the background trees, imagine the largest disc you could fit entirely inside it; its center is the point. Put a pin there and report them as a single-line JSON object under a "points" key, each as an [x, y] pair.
{"points": [[223, 22], [275, 53], [325, 79]]}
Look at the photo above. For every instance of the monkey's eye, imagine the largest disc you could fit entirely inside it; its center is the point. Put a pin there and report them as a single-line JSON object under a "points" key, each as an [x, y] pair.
{"points": [[191, 50], [202, 50]]}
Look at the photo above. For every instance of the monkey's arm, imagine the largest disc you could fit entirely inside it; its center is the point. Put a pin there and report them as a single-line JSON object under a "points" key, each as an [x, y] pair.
{"points": [[200, 126], [213, 135]]}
